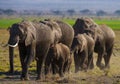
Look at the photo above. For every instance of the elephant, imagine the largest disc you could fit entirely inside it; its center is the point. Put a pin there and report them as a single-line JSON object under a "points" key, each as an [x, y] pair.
{"points": [[103, 36], [66, 38], [60, 57], [83, 48], [42, 48], [28, 36]]}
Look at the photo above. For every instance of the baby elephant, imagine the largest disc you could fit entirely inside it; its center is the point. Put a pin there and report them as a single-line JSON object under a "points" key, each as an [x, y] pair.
{"points": [[83, 47], [60, 58]]}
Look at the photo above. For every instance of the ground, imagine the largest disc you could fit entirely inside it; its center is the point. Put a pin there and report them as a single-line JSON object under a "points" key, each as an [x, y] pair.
{"points": [[95, 76]]}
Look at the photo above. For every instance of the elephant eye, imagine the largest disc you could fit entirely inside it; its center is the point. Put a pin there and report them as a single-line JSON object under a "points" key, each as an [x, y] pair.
{"points": [[87, 22]]}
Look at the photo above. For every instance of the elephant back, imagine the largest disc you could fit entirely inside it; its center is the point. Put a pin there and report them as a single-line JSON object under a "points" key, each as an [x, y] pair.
{"points": [[57, 34], [67, 33]]}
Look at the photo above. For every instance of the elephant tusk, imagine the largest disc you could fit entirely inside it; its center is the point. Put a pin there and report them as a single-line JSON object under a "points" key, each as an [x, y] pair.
{"points": [[13, 45], [4, 45]]}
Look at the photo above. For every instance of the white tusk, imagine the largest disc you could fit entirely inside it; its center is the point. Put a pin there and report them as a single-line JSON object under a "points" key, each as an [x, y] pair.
{"points": [[4, 45], [13, 45]]}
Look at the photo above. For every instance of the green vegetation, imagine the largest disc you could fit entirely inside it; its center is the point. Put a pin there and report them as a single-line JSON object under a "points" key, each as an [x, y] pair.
{"points": [[114, 24], [5, 23]]}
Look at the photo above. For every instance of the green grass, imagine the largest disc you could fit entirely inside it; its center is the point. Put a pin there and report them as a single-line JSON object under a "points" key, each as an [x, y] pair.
{"points": [[114, 24], [5, 23]]}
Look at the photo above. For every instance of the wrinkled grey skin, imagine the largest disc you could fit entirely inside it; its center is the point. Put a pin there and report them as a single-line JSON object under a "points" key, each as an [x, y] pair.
{"points": [[61, 58], [103, 36], [83, 48], [66, 38]]}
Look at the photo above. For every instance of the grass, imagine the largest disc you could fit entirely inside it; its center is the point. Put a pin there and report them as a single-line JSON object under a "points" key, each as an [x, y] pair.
{"points": [[95, 76], [114, 24], [7, 22]]}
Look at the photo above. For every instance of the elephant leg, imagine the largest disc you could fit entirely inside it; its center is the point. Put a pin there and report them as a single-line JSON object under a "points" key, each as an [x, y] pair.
{"points": [[53, 68], [22, 51], [101, 53], [41, 54], [84, 60], [27, 57], [61, 65], [90, 61], [107, 57], [65, 67], [47, 65], [76, 61], [39, 68], [69, 65], [99, 59], [11, 58]]}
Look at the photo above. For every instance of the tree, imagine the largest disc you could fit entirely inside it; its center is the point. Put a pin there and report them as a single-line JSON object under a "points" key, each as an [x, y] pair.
{"points": [[100, 13], [71, 11], [57, 12], [9, 12], [85, 11], [117, 12]]}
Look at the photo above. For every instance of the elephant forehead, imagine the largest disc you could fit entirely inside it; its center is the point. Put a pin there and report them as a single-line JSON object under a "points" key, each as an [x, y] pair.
{"points": [[87, 19]]}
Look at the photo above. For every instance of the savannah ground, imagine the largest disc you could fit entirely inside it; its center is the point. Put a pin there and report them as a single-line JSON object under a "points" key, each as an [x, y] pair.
{"points": [[95, 76]]}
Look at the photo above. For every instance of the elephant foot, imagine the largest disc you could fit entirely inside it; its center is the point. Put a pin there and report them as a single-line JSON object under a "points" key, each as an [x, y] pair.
{"points": [[61, 75], [107, 67], [101, 66], [84, 67], [25, 78], [39, 78], [76, 70], [11, 71], [91, 67]]}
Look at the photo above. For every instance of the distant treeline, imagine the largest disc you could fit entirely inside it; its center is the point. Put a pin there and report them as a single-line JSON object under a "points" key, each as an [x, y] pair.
{"points": [[58, 12]]}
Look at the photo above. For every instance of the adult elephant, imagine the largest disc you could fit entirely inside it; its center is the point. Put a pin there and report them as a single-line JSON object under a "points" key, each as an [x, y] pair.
{"points": [[103, 36], [43, 31], [28, 37], [66, 38]]}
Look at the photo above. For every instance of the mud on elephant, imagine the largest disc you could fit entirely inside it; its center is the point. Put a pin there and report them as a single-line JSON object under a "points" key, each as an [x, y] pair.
{"points": [[103, 36], [83, 48]]}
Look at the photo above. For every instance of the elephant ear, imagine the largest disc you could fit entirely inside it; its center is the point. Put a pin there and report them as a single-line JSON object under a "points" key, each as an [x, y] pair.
{"points": [[31, 35], [82, 41]]}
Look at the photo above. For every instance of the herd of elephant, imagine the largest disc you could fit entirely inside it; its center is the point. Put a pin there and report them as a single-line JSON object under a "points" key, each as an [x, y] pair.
{"points": [[53, 44]]}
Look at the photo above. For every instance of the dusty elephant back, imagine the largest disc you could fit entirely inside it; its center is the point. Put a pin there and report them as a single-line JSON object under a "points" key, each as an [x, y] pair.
{"points": [[67, 33], [44, 32], [109, 36], [57, 33], [108, 31]]}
